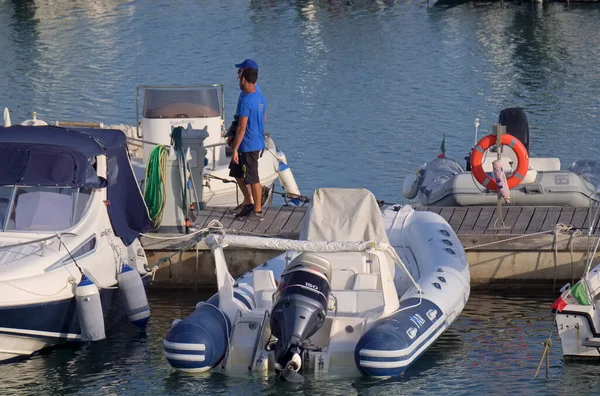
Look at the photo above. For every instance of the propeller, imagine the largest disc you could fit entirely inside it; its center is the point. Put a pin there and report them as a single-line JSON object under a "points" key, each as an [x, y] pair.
{"points": [[291, 375]]}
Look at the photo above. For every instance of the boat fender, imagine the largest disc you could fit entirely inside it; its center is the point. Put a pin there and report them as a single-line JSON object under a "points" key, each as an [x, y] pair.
{"points": [[500, 177], [89, 310], [410, 186], [286, 179], [477, 161], [134, 296], [200, 341]]}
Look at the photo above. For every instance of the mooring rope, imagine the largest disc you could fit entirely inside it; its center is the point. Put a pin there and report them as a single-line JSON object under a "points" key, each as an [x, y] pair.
{"points": [[546, 354], [558, 229]]}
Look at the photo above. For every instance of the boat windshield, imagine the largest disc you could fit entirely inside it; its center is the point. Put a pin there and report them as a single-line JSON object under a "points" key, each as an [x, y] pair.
{"points": [[42, 208]]}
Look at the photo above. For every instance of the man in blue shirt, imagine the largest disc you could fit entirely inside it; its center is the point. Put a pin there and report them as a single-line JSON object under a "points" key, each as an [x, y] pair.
{"points": [[247, 202], [249, 140]]}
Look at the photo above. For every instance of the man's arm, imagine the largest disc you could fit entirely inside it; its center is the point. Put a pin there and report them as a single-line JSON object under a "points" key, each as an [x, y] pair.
{"points": [[239, 134]]}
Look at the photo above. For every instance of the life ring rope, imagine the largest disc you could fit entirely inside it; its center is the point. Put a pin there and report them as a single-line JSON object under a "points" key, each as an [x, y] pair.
{"points": [[477, 161]]}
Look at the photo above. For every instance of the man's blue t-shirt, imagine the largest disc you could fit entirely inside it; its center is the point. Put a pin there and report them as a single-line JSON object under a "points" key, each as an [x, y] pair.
{"points": [[253, 106], [242, 94]]}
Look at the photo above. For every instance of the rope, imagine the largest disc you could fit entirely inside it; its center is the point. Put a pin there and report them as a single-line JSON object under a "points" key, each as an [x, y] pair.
{"points": [[558, 229], [546, 354], [155, 186]]}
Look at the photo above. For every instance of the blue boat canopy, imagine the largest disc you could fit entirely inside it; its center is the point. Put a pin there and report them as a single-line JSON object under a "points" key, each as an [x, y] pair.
{"points": [[50, 156]]}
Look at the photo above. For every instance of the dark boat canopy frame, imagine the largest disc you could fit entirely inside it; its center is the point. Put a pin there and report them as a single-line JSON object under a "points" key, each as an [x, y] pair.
{"points": [[50, 156]]}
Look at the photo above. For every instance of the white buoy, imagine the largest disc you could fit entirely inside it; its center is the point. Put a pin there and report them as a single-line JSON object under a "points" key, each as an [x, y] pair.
{"points": [[89, 310], [287, 180], [410, 186], [134, 297], [7, 121], [34, 121]]}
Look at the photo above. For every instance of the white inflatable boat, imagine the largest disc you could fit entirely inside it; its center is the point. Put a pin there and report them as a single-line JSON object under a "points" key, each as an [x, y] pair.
{"points": [[363, 292], [70, 216], [443, 181]]}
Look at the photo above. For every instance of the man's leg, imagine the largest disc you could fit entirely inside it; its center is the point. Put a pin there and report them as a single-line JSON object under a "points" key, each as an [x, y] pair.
{"points": [[246, 191], [257, 194]]}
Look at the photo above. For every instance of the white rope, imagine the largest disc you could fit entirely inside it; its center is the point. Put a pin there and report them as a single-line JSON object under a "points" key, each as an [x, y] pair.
{"points": [[214, 225], [558, 229]]}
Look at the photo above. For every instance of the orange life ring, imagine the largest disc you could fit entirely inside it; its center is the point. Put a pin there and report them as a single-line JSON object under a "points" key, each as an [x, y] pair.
{"points": [[477, 161]]}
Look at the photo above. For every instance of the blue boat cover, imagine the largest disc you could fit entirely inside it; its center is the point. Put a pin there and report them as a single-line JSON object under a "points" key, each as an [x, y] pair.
{"points": [[54, 156]]}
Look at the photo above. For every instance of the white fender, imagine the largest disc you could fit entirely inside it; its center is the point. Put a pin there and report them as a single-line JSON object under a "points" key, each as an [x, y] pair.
{"points": [[89, 310], [287, 180]]}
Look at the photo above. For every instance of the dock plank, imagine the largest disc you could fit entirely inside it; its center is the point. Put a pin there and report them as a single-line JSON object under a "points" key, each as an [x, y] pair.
{"points": [[457, 218], [523, 220], [552, 216], [566, 216], [446, 213], [269, 216], [435, 209], [292, 226], [203, 215], [282, 217], [510, 220], [470, 219], [579, 219], [484, 219], [535, 224], [493, 220], [217, 214]]}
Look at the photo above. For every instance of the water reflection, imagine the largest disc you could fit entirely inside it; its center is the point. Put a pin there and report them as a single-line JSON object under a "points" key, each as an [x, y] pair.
{"points": [[495, 344]]}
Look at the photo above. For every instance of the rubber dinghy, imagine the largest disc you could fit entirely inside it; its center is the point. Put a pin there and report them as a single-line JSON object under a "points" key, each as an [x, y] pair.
{"points": [[535, 180], [364, 291]]}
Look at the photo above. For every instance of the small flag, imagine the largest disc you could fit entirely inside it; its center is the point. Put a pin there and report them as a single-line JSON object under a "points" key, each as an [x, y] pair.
{"points": [[575, 295], [442, 153]]}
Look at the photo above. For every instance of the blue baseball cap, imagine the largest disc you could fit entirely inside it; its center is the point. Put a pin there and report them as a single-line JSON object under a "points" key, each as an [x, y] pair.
{"points": [[247, 64]]}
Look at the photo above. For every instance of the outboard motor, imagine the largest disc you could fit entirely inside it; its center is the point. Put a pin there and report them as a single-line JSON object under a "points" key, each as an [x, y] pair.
{"points": [[515, 121], [299, 312]]}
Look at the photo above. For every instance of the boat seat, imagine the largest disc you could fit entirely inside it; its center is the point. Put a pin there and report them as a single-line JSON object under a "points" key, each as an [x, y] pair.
{"points": [[544, 164], [263, 283], [351, 302], [343, 278], [366, 282], [537, 163]]}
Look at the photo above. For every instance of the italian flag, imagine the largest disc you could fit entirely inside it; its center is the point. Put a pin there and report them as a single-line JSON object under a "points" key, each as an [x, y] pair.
{"points": [[442, 153], [574, 295]]}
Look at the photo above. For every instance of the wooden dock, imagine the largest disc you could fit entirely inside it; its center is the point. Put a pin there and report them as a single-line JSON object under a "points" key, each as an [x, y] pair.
{"points": [[535, 244]]}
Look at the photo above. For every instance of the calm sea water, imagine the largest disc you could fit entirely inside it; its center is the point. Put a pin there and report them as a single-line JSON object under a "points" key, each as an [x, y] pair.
{"points": [[360, 93], [493, 348]]}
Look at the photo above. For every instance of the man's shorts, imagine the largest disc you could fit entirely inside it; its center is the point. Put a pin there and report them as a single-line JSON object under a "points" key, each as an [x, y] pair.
{"points": [[247, 168]]}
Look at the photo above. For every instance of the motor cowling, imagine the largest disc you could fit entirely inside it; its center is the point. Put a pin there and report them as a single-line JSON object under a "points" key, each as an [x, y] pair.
{"points": [[515, 121], [300, 307]]}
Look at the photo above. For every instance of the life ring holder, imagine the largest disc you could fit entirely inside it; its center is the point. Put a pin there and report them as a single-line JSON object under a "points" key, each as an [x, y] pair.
{"points": [[477, 161]]}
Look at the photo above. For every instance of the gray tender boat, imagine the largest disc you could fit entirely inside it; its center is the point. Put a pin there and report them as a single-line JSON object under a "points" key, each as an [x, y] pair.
{"points": [[443, 181]]}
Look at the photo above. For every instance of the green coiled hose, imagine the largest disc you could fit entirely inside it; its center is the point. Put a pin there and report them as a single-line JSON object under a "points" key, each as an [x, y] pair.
{"points": [[154, 188]]}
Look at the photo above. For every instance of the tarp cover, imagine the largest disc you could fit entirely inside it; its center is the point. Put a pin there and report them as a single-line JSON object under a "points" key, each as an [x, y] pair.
{"points": [[343, 214], [55, 156]]}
